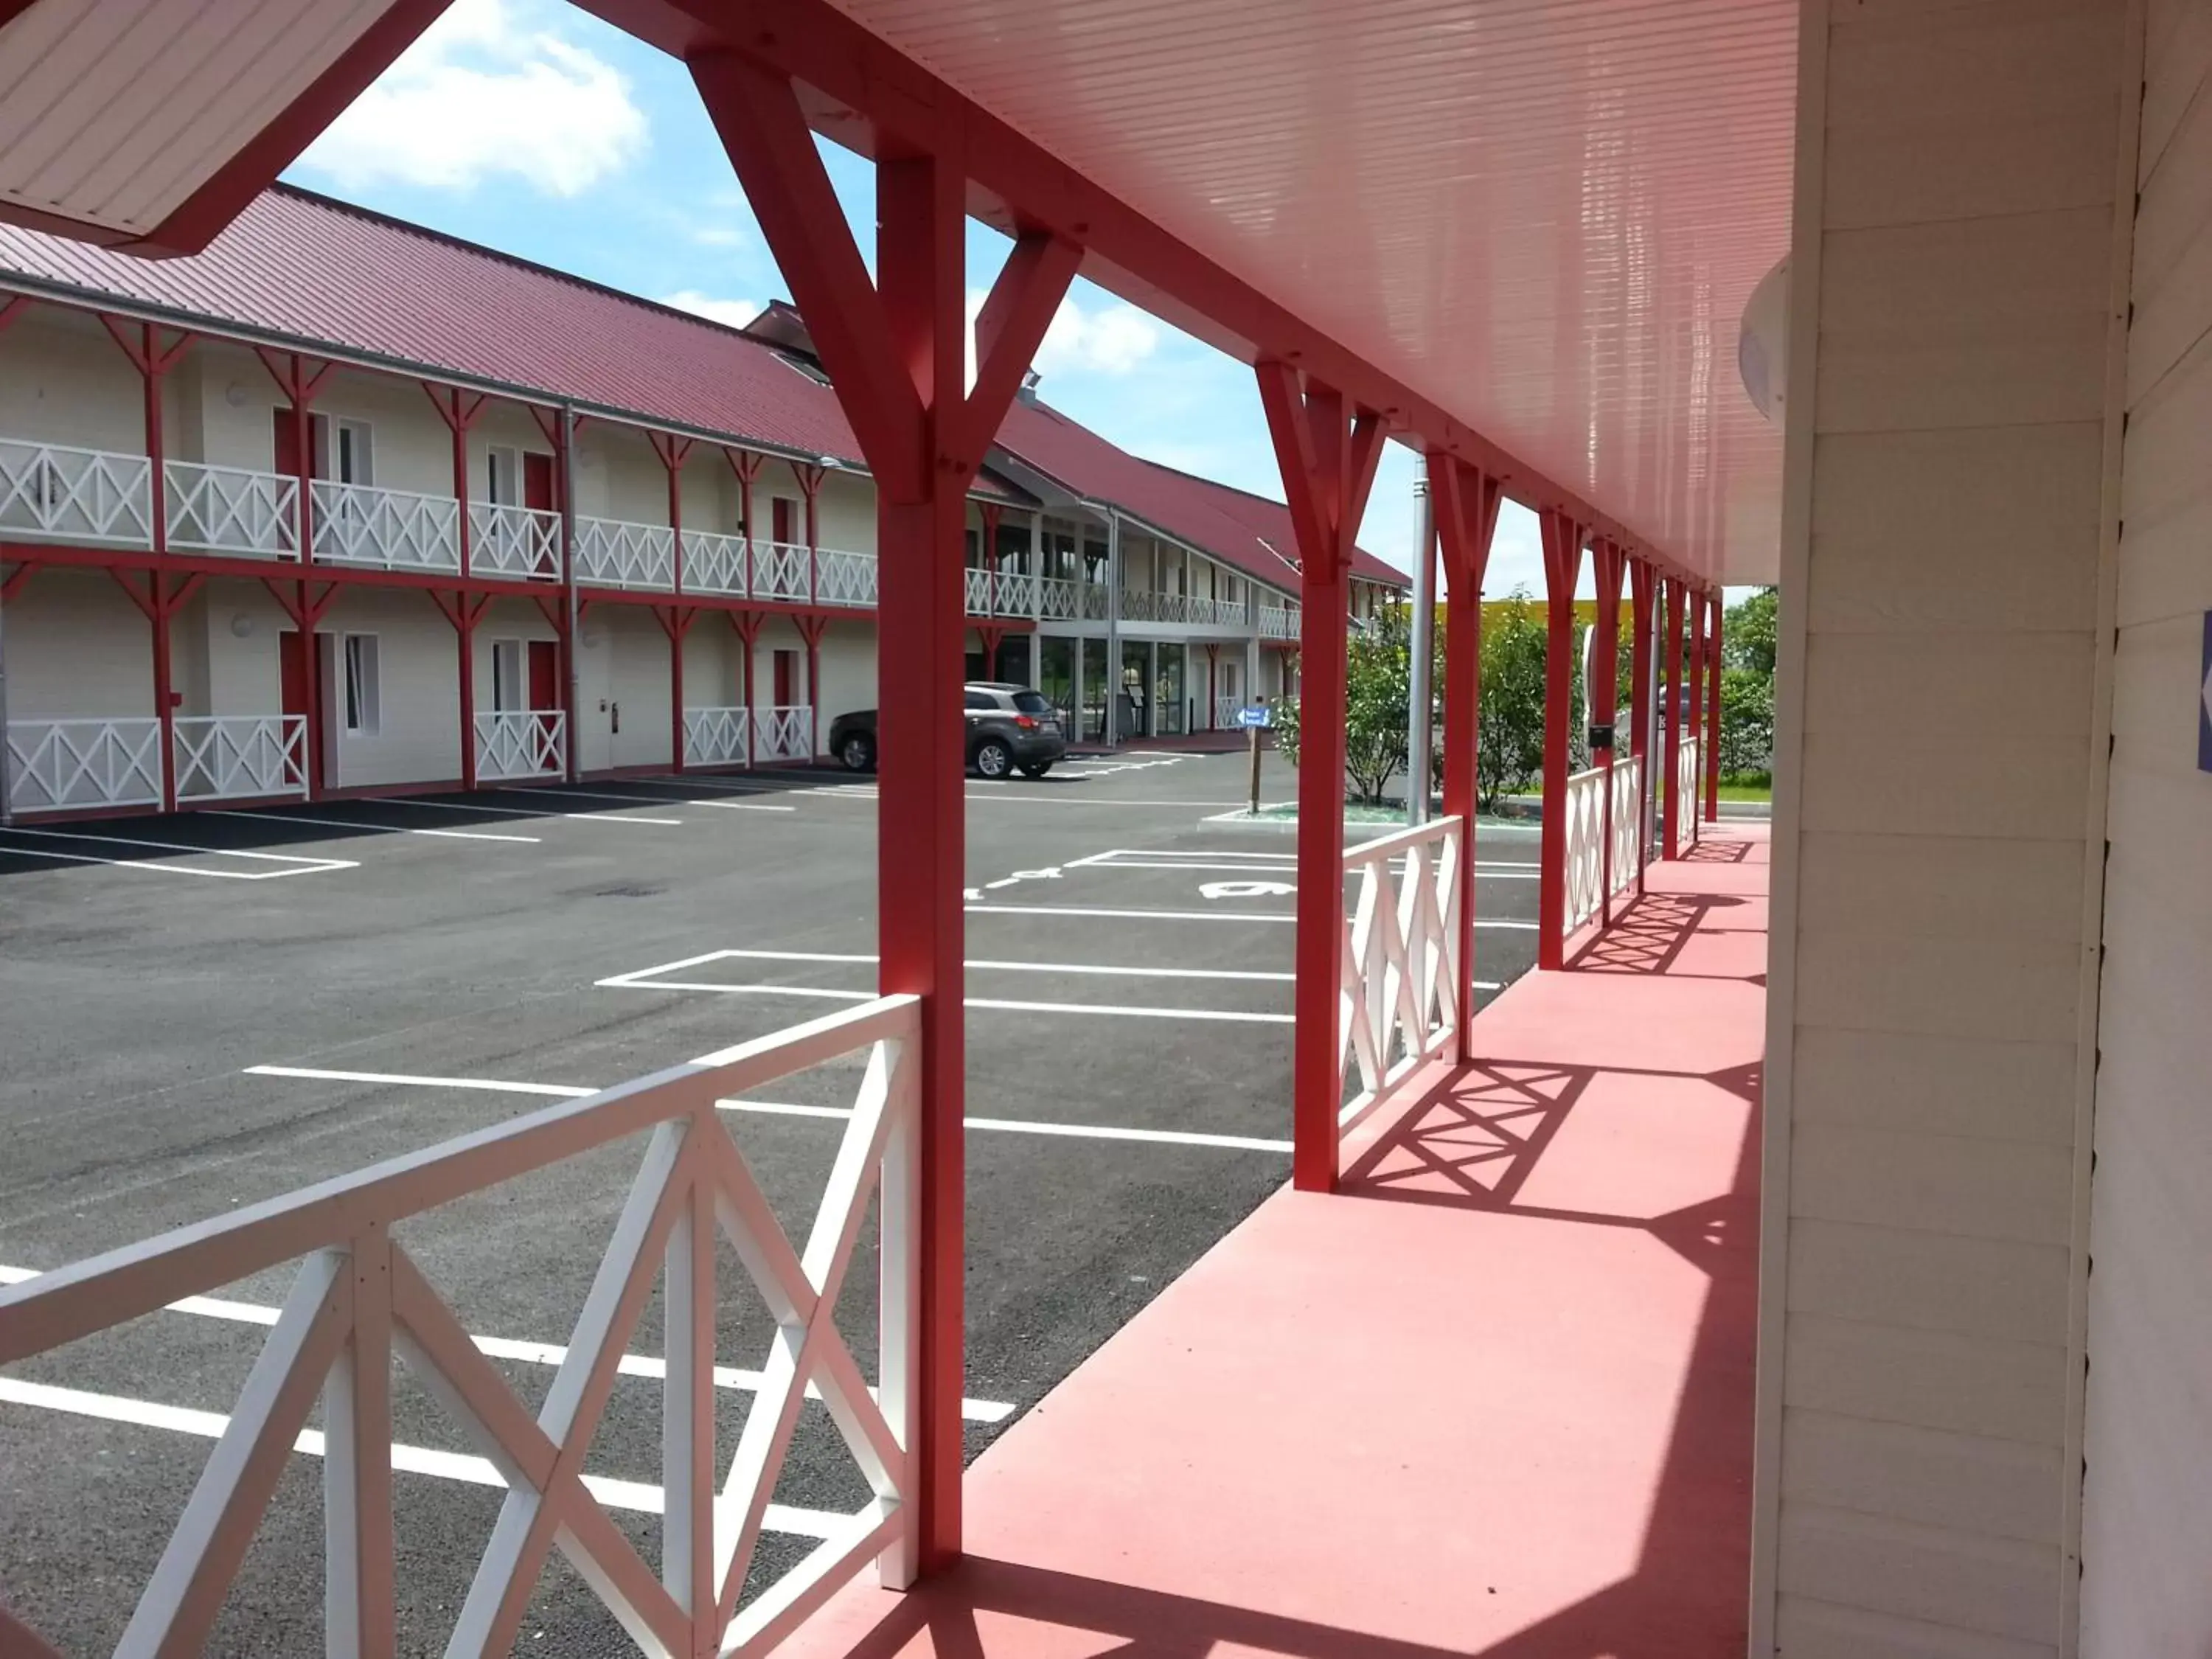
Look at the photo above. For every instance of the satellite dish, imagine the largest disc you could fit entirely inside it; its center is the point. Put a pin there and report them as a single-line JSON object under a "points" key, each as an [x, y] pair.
{"points": [[1762, 348]]}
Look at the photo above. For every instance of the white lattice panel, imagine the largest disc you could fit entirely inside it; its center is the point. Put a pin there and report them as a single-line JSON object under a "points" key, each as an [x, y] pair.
{"points": [[236, 757], [1627, 822], [521, 743], [505, 540], [389, 529], [63, 765], [1585, 811], [50, 492], [1399, 1002], [717, 736], [230, 509]]}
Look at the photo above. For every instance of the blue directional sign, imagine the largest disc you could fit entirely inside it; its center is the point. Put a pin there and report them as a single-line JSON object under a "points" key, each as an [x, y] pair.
{"points": [[1263, 715], [2205, 703]]}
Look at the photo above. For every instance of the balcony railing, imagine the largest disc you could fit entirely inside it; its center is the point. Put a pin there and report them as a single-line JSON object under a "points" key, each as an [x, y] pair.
{"points": [[232, 510], [1399, 1005], [1279, 622], [387, 529], [506, 540], [358, 1302], [780, 571], [521, 743], [240, 756], [783, 733], [715, 563], [717, 736], [1627, 821], [841, 578], [62, 766], [1219, 613], [1689, 780], [55, 493], [1586, 845], [1225, 711], [615, 553]]}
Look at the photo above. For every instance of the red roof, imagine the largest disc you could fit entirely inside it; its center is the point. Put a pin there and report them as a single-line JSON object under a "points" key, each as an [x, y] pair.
{"points": [[308, 269], [1248, 530]]}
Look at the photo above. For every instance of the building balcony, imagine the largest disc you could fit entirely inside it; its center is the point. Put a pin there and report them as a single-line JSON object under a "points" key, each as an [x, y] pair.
{"points": [[99, 765]]}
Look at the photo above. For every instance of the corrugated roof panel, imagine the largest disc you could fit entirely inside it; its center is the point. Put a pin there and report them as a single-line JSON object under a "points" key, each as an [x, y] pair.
{"points": [[113, 113], [1543, 215]]}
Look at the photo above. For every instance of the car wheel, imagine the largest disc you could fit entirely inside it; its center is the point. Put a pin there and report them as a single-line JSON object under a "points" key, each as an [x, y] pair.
{"points": [[994, 759], [858, 752], [1038, 770]]}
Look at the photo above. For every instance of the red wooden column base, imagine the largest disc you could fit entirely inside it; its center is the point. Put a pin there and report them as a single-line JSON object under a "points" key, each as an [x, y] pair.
{"points": [[1327, 456], [1563, 561], [895, 351], [1465, 502]]}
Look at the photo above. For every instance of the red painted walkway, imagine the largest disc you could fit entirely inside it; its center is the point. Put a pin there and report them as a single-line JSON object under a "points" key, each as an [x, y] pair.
{"points": [[1494, 1400]]}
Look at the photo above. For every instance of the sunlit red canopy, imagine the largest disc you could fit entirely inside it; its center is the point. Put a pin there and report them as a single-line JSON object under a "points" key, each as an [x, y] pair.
{"points": [[1534, 221]]}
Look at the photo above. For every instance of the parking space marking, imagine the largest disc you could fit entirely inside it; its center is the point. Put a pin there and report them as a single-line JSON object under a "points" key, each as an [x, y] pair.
{"points": [[525, 813], [529, 1354], [1187, 916], [694, 799], [295, 864], [377, 829], [588, 794], [819, 993], [640, 978], [791, 1108], [635, 1495]]}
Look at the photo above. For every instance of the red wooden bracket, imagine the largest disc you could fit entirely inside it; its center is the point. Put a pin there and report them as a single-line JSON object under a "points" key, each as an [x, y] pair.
{"points": [[1562, 552], [670, 448], [148, 603], [147, 353], [548, 423], [1465, 500], [1011, 324], [744, 463], [290, 370], [12, 307], [746, 624], [555, 614], [15, 578], [675, 620], [1328, 470], [812, 626], [809, 476], [457, 408]]}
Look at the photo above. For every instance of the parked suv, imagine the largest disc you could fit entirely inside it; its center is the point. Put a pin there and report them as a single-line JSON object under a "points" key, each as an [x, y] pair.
{"points": [[1010, 729]]}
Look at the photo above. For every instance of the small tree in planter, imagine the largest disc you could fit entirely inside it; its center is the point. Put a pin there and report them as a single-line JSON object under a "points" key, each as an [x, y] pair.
{"points": [[1377, 684], [1510, 736]]}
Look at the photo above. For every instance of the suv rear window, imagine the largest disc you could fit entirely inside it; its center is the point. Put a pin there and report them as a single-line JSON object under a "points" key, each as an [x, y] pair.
{"points": [[1032, 703]]}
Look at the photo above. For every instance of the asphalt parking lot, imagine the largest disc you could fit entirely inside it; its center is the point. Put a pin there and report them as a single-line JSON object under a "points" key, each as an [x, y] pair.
{"points": [[208, 1009]]}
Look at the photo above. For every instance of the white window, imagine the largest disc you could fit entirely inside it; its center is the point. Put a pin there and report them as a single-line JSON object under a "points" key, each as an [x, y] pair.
{"points": [[342, 451], [506, 682], [503, 476], [362, 712]]}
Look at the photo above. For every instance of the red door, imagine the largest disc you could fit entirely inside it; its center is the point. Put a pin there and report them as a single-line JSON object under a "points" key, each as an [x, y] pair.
{"points": [[288, 442], [545, 689], [292, 680], [786, 678], [781, 517], [538, 481]]}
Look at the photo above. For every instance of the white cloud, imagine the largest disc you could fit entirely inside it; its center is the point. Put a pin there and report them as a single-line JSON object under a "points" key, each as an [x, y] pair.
{"points": [[1112, 338], [480, 94], [736, 313]]}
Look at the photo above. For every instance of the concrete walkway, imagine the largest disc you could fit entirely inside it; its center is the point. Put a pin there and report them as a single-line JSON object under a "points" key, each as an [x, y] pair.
{"points": [[1494, 1399]]}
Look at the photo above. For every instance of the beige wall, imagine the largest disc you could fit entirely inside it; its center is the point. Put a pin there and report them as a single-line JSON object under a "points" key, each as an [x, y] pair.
{"points": [[2147, 1521], [1946, 549]]}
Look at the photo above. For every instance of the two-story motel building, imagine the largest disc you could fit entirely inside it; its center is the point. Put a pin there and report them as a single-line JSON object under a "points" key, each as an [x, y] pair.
{"points": [[589, 533]]}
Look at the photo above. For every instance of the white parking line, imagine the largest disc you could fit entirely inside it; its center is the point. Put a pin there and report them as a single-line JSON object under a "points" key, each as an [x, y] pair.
{"points": [[1186, 916], [412, 1460], [644, 975], [528, 1353], [584, 794], [295, 865], [786, 1108], [1228, 1016], [725, 805], [378, 828], [525, 813]]}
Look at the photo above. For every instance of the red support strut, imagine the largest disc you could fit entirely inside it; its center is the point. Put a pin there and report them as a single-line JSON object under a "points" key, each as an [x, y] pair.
{"points": [[896, 353], [1329, 467], [1465, 504], [1562, 560]]}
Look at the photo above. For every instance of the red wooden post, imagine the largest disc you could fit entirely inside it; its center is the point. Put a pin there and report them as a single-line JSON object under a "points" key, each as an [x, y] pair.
{"points": [[672, 450], [746, 624], [745, 465], [1328, 470], [810, 486], [1605, 696], [812, 627], [896, 352], [1713, 682], [465, 612], [153, 361], [1464, 503], [1671, 709], [459, 411], [676, 621], [1641, 579], [289, 371], [992, 514], [159, 603], [1693, 716], [1562, 560]]}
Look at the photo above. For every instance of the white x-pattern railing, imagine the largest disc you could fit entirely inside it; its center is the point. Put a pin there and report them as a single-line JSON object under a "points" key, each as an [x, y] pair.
{"points": [[67, 765], [783, 733], [1399, 1005], [521, 743], [780, 570], [1058, 598], [714, 564], [1627, 821], [843, 578], [1585, 813], [717, 736], [359, 1299], [387, 529], [240, 756], [232, 509], [55, 492], [1689, 781], [1279, 622], [616, 553], [507, 540]]}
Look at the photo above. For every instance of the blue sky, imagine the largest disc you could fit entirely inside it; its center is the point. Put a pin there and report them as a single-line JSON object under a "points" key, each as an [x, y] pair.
{"points": [[532, 128]]}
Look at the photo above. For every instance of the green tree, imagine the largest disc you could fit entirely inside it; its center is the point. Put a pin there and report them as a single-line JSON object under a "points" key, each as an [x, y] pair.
{"points": [[1509, 736], [1746, 722], [1378, 687], [1748, 636]]}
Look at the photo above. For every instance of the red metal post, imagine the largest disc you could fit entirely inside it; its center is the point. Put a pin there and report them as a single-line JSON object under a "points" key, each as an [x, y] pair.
{"points": [[672, 450], [745, 465], [676, 621], [810, 486], [142, 343], [1606, 558], [896, 352], [1464, 503], [811, 630], [1713, 683], [1641, 580], [1327, 469], [1671, 710], [289, 371], [458, 410], [746, 625], [1562, 560], [465, 612]]}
